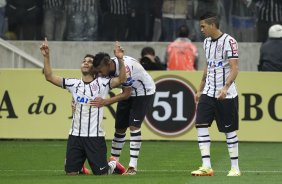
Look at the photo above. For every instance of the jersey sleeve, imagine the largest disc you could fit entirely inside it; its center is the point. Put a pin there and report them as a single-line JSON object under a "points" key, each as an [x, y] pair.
{"points": [[231, 48], [129, 81], [69, 83]]}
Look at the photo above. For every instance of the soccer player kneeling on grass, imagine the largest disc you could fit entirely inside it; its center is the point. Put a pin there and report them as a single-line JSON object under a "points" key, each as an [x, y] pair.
{"points": [[86, 136], [217, 95]]}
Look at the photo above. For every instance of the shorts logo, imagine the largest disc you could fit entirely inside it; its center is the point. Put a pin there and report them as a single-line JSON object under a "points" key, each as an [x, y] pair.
{"points": [[174, 107], [102, 168]]}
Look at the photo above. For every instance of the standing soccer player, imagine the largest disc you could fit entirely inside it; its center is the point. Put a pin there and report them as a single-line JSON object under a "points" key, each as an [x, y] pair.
{"points": [[134, 102], [86, 136], [217, 95]]}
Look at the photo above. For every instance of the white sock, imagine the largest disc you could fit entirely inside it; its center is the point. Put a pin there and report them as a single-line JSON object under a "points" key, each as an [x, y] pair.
{"points": [[135, 145], [232, 143], [204, 142], [117, 145]]}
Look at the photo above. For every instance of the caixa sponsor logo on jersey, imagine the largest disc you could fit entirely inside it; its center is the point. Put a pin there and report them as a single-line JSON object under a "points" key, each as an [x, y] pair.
{"points": [[173, 109], [215, 63], [82, 99]]}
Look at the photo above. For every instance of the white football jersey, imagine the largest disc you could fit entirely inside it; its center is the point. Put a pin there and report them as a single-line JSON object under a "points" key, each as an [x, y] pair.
{"points": [[143, 84], [218, 52], [87, 120]]}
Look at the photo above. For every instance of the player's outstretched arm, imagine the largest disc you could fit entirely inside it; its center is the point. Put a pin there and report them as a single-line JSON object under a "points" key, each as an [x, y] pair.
{"points": [[119, 53], [49, 76]]}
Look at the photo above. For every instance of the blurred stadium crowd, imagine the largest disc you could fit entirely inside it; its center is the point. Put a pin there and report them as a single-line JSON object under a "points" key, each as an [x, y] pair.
{"points": [[133, 20]]}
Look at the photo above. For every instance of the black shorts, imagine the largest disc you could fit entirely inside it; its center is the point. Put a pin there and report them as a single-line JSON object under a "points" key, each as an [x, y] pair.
{"points": [[131, 112], [91, 148], [225, 112]]}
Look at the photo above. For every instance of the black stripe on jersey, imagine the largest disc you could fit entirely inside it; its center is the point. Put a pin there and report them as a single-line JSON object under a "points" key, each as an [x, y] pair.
{"points": [[64, 84], [223, 77], [214, 78], [78, 86], [110, 83], [81, 106], [90, 90], [205, 45], [80, 115], [98, 114], [208, 83], [89, 120], [223, 46], [144, 88], [72, 123], [135, 89], [215, 49], [210, 49], [98, 86]]}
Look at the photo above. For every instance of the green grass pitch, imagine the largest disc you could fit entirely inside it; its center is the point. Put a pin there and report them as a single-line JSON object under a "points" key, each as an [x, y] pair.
{"points": [[41, 161]]}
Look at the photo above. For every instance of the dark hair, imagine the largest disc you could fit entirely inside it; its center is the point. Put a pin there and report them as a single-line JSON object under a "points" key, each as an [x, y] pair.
{"points": [[100, 59], [183, 31], [89, 55], [147, 50], [210, 18]]}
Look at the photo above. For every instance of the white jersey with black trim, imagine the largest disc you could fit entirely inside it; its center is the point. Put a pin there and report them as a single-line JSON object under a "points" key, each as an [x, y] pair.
{"points": [[143, 84], [87, 120], [218, 52]]}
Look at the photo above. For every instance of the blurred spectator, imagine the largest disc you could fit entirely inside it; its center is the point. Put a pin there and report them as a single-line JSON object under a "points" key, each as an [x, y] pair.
{"points": [[116, 15], [2, 17], [149, 60], [243, 21], [54, 21], [269, 12], [82, 20], [182, 54], [157, 26], [25, 18], [141, 20], [174, 13], [270, 51]]}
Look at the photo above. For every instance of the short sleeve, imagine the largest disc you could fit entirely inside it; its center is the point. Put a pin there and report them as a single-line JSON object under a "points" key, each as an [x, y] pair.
{"points": [[231, 48], [69, 83]]}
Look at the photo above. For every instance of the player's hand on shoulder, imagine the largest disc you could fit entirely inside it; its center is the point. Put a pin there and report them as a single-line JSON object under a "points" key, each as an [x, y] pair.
{"points": [[118, 51], [44, 48]]}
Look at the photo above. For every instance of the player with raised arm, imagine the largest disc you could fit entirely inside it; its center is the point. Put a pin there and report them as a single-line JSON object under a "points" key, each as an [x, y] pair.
{"points": [[86, 137], [217, 95], [133, 103]]}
